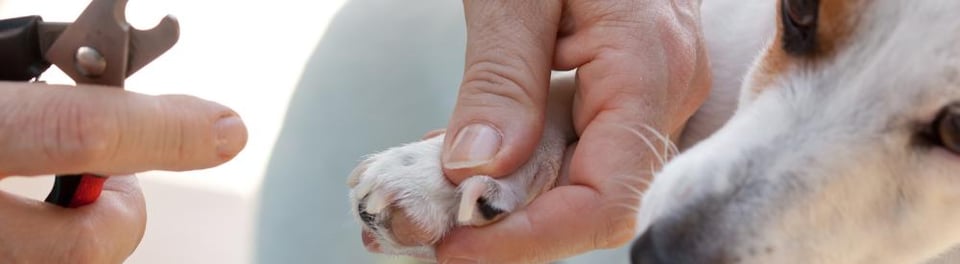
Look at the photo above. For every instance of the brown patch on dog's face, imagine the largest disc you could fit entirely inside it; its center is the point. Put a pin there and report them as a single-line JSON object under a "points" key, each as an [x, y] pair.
{"points": [[808, 32], [838, 19]]}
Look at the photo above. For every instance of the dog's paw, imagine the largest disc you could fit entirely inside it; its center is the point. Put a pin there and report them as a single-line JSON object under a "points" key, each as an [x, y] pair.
{"points": [[403, 201], [402, 198]]}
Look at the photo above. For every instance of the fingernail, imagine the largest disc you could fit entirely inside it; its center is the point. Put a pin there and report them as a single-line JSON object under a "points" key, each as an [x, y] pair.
{"points": [[460, 261], [474, 145], [231, 136]]}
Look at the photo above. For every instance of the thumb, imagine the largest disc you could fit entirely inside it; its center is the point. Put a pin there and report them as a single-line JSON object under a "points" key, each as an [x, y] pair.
{"points": [[499, 113], [107, 231]]}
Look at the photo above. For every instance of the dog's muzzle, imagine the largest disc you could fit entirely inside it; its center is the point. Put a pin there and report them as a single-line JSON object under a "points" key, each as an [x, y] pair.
{"points": [[667, 242], [644, 251]]}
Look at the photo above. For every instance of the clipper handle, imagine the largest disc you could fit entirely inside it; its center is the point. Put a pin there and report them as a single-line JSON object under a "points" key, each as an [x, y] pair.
{"points": [[22, 59], [73, 191]]}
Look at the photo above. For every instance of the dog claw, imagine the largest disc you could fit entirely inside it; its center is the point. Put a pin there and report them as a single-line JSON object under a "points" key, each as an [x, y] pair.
{"points": [[472, 192], [483, 200]]}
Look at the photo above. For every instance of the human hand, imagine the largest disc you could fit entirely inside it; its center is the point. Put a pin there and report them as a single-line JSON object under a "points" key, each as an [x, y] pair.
{"points": [[639, 64], [49, 129]]}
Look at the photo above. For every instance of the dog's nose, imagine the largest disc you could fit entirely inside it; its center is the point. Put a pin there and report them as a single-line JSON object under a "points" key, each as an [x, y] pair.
{"points": [[645, 250], [679, 242]]}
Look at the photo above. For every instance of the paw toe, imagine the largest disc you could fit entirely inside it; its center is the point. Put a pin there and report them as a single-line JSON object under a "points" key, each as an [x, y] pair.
{"points": [[488, 211], [406, 230], [482, 201]]}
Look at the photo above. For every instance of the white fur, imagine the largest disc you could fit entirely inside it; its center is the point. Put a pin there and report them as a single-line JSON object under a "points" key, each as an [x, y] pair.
{"points": [[420, 189], [818, 168]]}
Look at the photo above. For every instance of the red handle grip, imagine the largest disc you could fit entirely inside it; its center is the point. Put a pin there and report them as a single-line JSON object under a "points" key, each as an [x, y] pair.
{"points": [[73, 191]]}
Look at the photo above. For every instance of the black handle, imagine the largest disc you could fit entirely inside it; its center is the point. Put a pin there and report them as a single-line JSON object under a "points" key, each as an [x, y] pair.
{"points": [[20, 56]]}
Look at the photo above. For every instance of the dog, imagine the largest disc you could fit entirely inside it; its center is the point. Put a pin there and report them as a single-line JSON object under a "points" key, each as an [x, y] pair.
{"points": [[831, 135]]}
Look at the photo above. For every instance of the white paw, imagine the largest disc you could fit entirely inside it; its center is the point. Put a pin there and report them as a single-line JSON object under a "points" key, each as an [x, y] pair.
{"points": [[407, 181], [406, 185]]}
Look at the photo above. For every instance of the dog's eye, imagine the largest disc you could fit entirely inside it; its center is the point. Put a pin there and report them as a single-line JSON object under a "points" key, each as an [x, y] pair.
{"points": [[799, 18], [947, 128]]}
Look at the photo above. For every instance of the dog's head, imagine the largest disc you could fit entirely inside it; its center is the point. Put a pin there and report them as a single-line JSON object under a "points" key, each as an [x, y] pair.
{"points": [[845, 148]]}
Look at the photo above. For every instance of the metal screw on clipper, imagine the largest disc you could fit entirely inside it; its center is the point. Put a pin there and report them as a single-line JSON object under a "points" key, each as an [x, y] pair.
{"points": [[89, 62]]}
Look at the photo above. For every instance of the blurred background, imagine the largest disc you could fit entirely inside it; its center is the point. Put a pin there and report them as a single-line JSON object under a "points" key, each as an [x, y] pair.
{"points": [[319, 84]]}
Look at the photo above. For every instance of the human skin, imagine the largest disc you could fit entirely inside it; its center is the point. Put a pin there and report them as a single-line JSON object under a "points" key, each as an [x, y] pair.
{"points": [[55, 129], [640, 63]]}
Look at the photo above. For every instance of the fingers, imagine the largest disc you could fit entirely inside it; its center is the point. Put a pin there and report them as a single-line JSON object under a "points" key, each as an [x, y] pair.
{"points": [[107, 231], [608, 171], [48, 129], [563, 222], [652, 64], [500, 109], [634, 90], [533, 235], [632, 103]]}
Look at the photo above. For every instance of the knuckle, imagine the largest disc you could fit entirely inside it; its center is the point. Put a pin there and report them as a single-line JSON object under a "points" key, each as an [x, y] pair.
{"points": [[174, 148], [489, 83], [74, 134]]}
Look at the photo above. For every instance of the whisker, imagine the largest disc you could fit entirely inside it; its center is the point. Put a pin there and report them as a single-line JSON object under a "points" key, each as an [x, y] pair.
{"points": [[645, 181], [636, 185], [645, 141], [668, 145], [627, 206]]}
